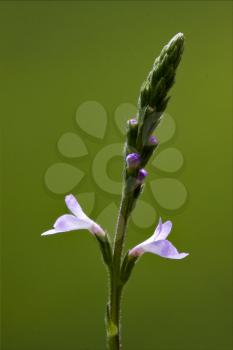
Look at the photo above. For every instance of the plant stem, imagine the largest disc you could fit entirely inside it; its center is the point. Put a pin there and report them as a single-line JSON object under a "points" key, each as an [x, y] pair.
{"points": [[152, 102], [116, 285], [125, 208], [113, 311]]}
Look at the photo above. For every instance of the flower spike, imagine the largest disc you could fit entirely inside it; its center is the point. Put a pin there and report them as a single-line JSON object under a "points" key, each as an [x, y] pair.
{"points": [[158, 244], [139, 147], [78, 220]]}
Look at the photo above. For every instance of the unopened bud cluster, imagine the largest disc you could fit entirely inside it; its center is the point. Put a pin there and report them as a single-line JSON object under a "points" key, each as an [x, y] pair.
{"points": [[153, 99], [136, 159]]}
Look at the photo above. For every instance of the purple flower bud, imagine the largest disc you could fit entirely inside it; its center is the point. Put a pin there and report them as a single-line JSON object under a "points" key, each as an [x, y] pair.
{"points": [[133, 122], [133, 160], [142, 174], [153, 140]]}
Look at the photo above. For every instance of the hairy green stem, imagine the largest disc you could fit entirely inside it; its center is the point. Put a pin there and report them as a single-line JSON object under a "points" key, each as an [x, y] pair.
{"points": [[113, 316], [116, 284]]}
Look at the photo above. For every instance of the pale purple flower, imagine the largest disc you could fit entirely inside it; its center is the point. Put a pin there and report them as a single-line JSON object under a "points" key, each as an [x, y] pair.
{"points": [[158, 244], [78, 220], [141, 175], [133, 160]]}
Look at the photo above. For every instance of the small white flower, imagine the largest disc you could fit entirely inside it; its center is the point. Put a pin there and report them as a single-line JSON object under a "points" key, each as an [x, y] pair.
{"points": [[78, 221], [158, 244]]}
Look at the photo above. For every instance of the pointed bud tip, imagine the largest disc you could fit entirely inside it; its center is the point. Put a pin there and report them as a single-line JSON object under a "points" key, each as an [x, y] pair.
{"points": [[180, 35], [177, 39]]}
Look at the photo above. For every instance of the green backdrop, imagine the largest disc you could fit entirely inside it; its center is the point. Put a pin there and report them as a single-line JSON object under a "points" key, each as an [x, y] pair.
{"points": [[55, 56]]}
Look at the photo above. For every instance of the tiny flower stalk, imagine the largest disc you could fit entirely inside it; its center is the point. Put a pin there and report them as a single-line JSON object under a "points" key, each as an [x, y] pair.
{"points": [[140, 145]]}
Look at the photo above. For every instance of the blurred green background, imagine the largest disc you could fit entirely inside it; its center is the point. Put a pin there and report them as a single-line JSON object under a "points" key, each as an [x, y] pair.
{"points": [[54, 56]]}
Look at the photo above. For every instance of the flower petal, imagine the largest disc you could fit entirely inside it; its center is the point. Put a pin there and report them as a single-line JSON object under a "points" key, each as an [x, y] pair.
{"points": [[78, 221], [165, 230], [164, 249], [50, 232], [87, 200], [73, 205], [69, 222], [157, 230]]}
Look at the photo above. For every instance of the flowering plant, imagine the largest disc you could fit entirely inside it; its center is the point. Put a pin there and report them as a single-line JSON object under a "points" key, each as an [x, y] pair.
{"points": [[139, 147]]}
